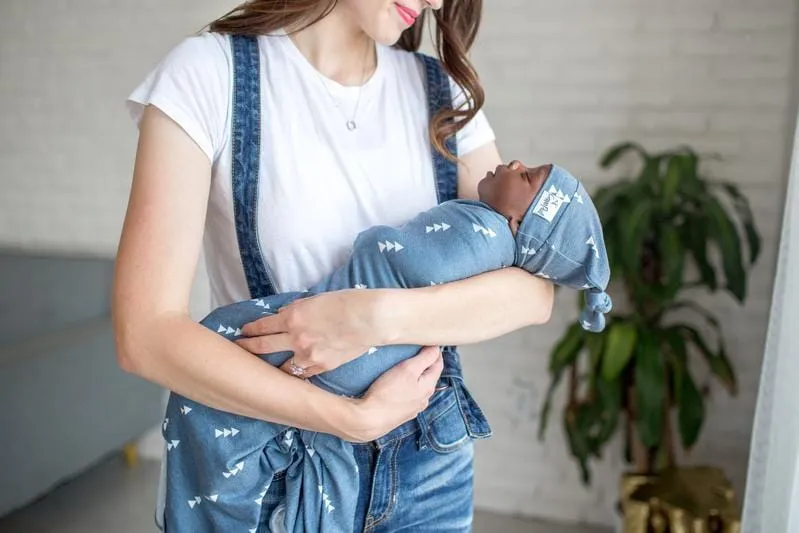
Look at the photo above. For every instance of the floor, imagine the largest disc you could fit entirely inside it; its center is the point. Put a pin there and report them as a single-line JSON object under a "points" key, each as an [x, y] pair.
{"points": [[112, 497]]}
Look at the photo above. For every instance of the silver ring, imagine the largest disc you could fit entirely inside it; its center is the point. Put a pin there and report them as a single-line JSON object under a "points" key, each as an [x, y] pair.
{"points": [[296, 370]]}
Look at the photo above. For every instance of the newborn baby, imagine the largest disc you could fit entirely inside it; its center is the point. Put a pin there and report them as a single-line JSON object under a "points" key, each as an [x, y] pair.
{"points": [[219, 465]]}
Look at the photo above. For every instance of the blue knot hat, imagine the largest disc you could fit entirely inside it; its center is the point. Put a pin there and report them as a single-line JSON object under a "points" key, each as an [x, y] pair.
{"points": [[560, 238]]}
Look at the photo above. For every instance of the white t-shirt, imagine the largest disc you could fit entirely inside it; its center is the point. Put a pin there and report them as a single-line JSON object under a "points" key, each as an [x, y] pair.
{"points": [[320, 183]]}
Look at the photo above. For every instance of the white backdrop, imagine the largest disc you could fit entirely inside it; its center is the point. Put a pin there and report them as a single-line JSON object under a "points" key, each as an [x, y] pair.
{"points": [[770, 503]]}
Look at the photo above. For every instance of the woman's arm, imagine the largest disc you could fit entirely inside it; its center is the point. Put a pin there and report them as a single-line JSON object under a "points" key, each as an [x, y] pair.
{"points": [[330, 329], [157, 339], [472, 310]]}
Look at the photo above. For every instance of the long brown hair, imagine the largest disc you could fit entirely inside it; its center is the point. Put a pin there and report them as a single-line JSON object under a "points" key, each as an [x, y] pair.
{"points": [[457, 23]]}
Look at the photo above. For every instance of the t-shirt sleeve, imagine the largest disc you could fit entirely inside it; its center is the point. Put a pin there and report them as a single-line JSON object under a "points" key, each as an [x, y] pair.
{"points": [[477, 132], [191, 85]]}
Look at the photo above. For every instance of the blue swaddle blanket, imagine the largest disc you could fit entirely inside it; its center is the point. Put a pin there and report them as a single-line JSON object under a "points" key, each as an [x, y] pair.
{"points": [[220, 465]]}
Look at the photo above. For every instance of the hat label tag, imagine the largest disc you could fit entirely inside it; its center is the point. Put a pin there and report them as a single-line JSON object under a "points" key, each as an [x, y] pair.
{"points": [[550, 203]]}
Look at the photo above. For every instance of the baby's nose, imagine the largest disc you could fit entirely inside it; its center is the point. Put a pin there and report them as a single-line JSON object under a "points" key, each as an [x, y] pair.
{"points": [[516, 165]]}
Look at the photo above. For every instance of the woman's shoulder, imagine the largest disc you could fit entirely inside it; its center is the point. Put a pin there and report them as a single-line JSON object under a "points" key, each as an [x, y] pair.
{"points": [[191, 84], [204, 51]]}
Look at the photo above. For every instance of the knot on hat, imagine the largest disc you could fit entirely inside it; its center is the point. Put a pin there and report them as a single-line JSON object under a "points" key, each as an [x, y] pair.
{"points": [[597, 304]]}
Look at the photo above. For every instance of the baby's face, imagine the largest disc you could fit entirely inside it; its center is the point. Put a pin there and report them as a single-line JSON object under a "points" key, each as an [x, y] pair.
{"points": [[510, 189]]}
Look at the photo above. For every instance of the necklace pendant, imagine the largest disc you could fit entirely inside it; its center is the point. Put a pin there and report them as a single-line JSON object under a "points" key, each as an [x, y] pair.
{"points": [[351, 125]]}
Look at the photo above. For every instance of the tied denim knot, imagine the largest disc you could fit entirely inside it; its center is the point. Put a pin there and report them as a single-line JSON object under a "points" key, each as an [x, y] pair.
{"points": [[597, 304]]}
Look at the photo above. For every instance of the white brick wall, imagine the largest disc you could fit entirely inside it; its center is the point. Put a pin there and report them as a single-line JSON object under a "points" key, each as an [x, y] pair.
{"points": [[564, 80]]}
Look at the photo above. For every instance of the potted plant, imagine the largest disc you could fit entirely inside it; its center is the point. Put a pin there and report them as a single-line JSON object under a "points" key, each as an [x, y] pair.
{"points": [[668, 229]]}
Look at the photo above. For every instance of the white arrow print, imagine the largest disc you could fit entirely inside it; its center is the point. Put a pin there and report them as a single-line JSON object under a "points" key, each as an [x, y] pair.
{"points": [[195, 501], [437, 227], [310, 450], [592, 244], [326, 499], [360, 286], [261, 303], [527, 251], [260, 500], [212, 498], [485, 231], [372, 350], [235, 470], [185, 409], [232, 432], [227, 330], [171, 445], [579, 197], [390, 246]]}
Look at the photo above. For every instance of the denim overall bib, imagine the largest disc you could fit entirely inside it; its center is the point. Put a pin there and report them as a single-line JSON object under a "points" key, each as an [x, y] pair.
{"points": [[419, 476]]}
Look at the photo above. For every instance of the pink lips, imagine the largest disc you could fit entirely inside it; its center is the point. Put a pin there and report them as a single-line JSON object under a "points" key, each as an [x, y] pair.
{"points": [[407, 14]]}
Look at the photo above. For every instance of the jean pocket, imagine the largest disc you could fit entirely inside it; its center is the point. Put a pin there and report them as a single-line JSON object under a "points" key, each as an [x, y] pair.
{"points": [[447, 430]]}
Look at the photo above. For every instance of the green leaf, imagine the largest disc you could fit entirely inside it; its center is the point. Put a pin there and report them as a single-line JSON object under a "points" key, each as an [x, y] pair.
{"points": [[564, 354], [695, 236], [690, 403], [636, 226], [672, 261], [609, 396], [578, 440], [726, 236], [690, 163], [672, 182], [619, 150], [691, 410], [650, 382], [722, 368], [618, 349], [741, 206], [566, 350], [717, 361], [606, 198], [595, 344]]}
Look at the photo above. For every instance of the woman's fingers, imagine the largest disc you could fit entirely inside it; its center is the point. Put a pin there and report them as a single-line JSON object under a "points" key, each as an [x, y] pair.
{"points": [[266, 344], [268, 325], [425, 359], [433, 372]]}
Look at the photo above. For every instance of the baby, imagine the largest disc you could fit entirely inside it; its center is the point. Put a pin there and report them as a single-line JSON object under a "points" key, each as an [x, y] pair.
{"points": [[219, 465]]}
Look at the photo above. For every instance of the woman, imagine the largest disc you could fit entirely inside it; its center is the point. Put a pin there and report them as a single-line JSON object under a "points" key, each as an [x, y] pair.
{"points": [[343, 144]]}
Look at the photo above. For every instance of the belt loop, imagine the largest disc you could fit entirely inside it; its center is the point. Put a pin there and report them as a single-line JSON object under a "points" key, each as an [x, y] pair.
{"points": [[422, 442]]}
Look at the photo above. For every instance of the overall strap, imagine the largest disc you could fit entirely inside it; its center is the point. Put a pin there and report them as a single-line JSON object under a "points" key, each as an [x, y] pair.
{"points": [[246, 148], [439, 96]]}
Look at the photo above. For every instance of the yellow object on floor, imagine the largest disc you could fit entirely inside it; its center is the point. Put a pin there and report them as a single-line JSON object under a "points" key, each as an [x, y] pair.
{"points": [[131, 455], [683, 500]]}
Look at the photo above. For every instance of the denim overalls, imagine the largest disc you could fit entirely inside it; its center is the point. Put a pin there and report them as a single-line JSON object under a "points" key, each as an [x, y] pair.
{"points": [[419, 476]]}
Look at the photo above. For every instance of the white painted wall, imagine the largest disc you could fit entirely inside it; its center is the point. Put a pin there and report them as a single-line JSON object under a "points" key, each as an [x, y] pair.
{"points": [[564, 80]]}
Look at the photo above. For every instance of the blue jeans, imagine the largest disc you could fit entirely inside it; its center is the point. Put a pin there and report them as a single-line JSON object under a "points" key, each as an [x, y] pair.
{"points": [[412, 479]]}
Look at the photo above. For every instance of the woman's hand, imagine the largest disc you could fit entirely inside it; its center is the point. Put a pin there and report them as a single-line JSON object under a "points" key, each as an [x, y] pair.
{"points": [[395, 397], [324, 331]]}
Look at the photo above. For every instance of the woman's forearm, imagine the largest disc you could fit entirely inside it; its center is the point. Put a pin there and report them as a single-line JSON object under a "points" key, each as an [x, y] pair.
{"points": [[463, 312], [185, 357]]}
